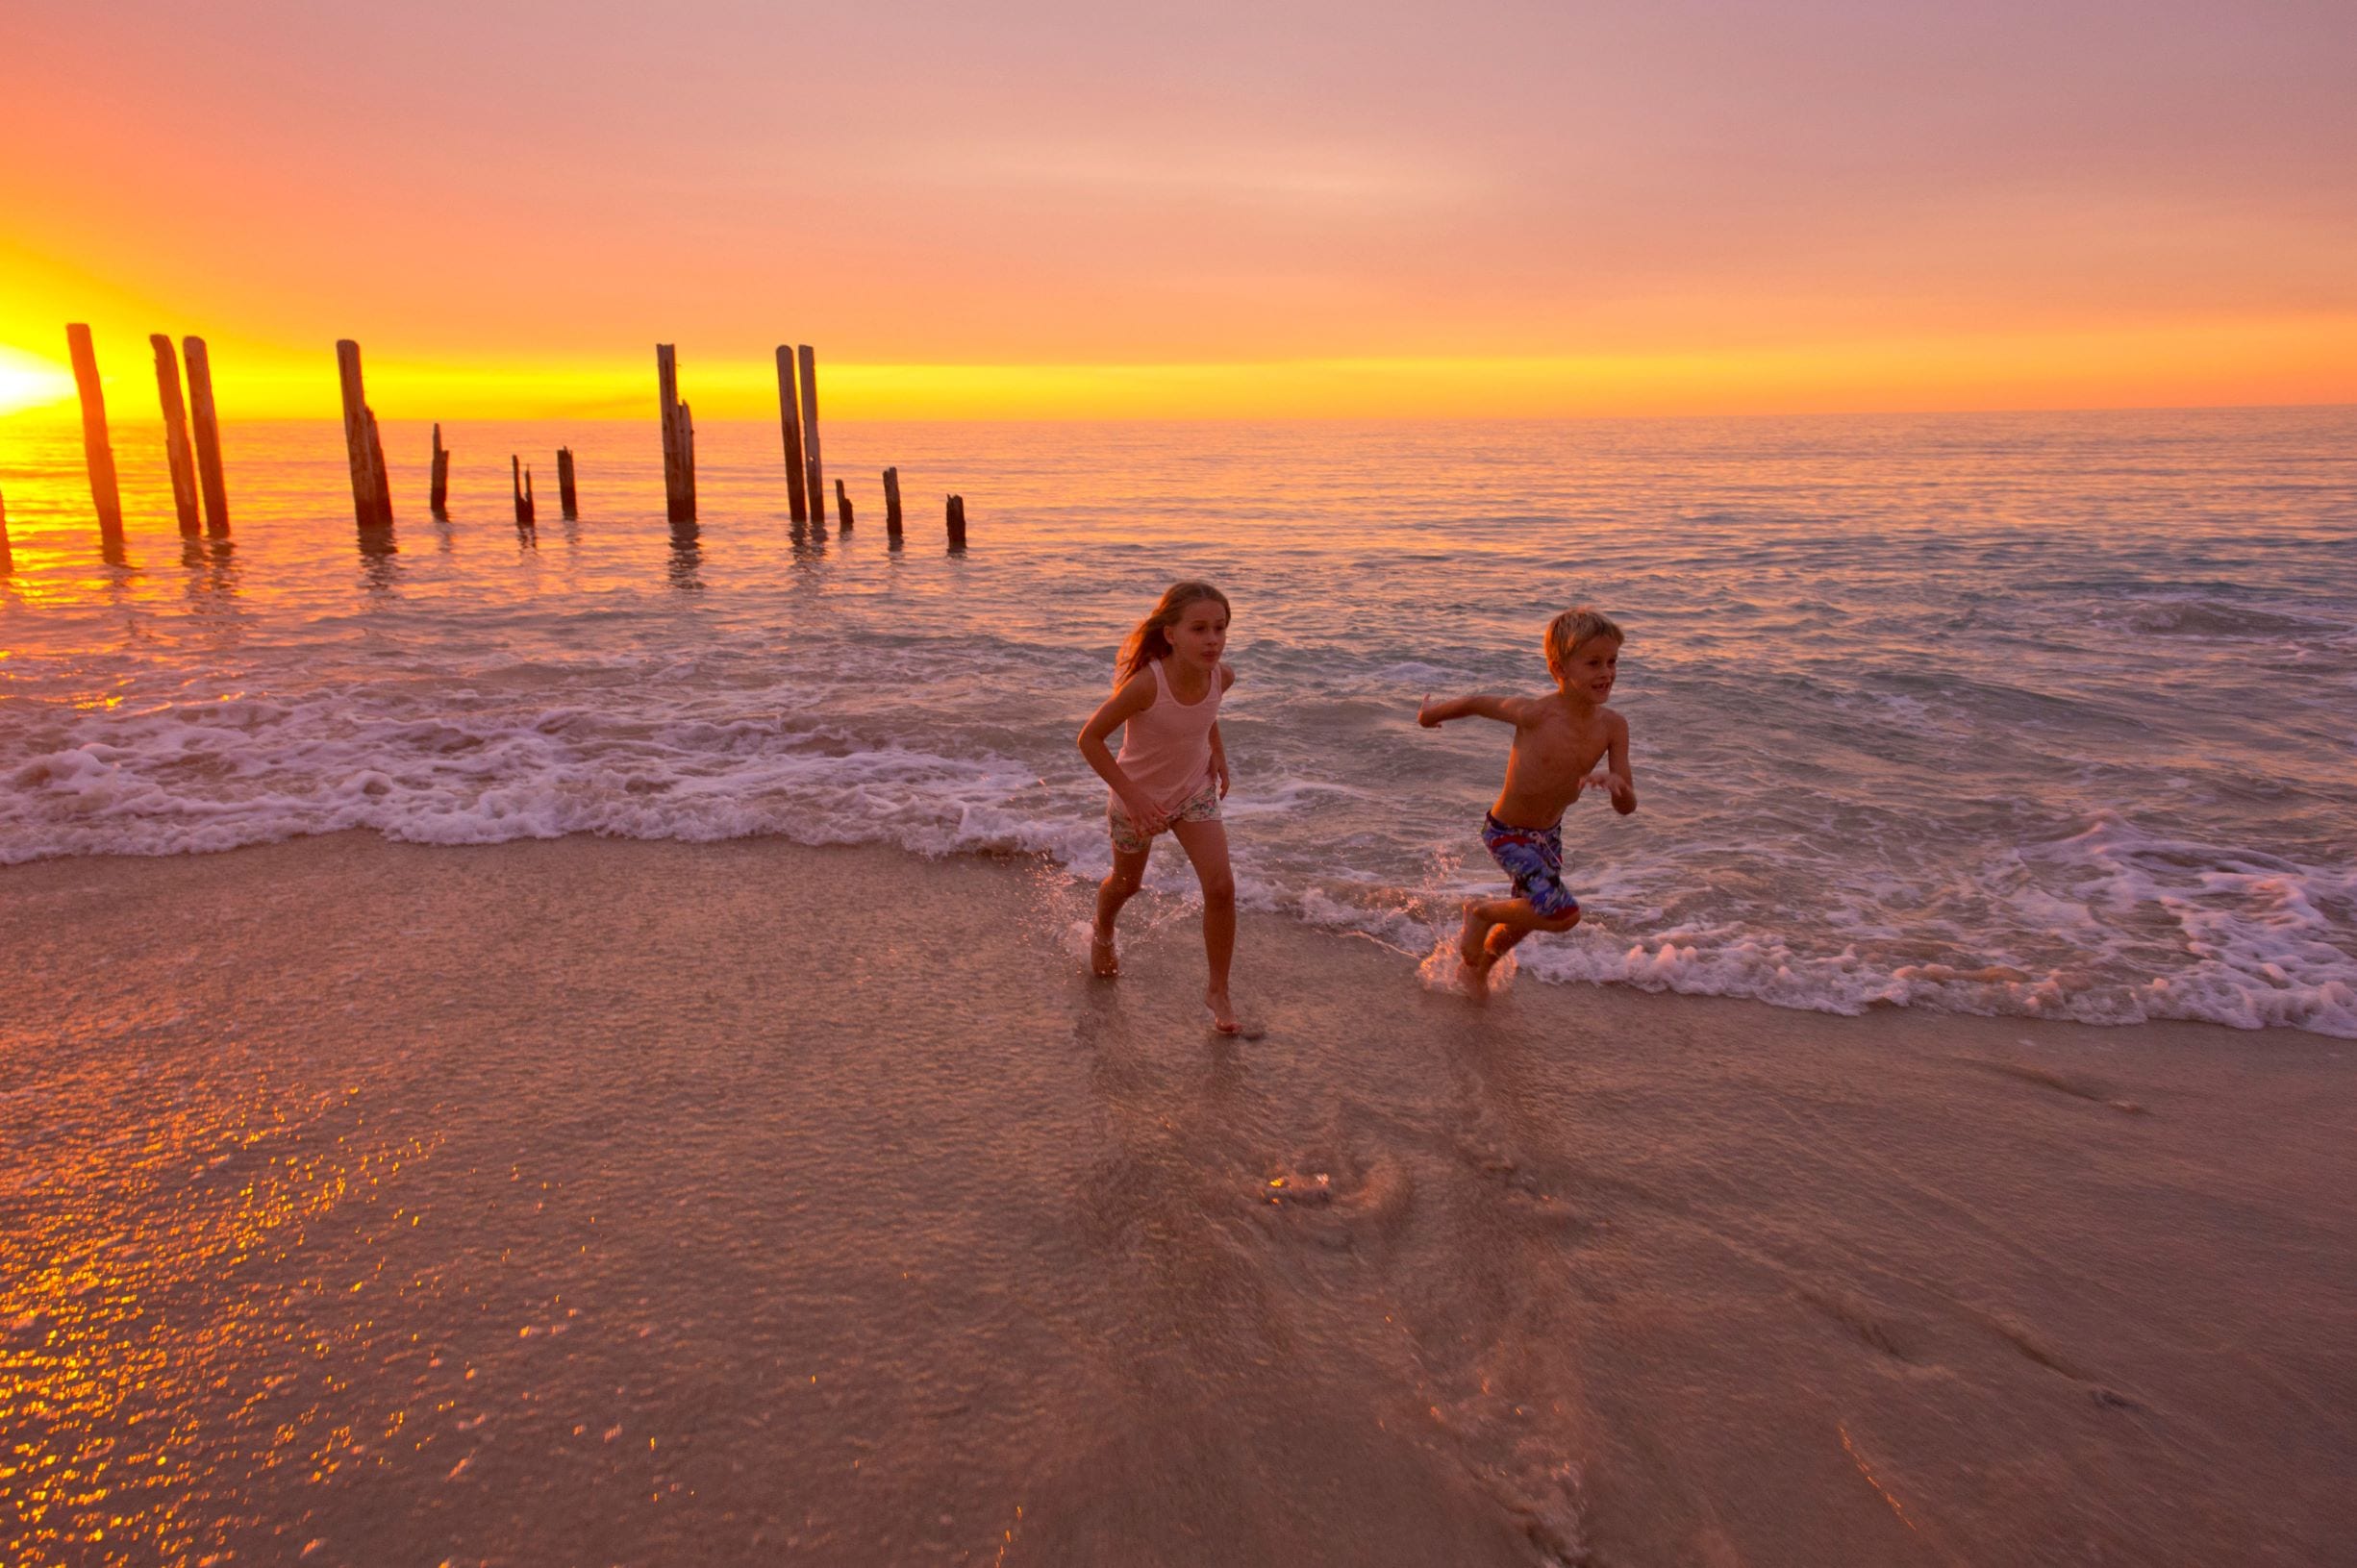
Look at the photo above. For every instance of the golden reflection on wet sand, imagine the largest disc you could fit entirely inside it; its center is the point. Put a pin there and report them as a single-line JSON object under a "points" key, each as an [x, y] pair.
{"points": [[137, 1377]]}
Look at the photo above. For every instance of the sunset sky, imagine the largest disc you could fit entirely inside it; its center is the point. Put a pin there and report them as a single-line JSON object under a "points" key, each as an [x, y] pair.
{"points": [[1063, 208]]}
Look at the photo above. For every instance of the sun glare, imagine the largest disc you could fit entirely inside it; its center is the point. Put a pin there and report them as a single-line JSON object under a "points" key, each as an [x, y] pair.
{"points": [[28, 382]]}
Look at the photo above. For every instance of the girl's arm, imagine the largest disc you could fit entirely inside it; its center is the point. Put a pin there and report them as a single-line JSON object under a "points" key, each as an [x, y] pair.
{"points": [[1480, 705], [1134, 697], [1219, 748]]}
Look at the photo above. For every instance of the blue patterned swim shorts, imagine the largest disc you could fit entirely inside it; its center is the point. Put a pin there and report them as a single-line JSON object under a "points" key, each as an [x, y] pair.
{"points": [[1533, 856]]}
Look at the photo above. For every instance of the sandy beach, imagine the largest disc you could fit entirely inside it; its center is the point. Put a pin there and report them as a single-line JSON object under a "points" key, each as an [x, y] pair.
{"points": [[667, 1203]]}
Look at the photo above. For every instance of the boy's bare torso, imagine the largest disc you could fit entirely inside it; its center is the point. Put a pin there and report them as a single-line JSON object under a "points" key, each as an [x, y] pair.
{"points": [[1555, 747]]}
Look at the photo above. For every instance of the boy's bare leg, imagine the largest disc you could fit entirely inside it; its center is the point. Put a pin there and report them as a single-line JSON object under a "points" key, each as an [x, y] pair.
{"points": [[1206, 844], [1120, 886], [1501, 923], [1474, 934], [1501, 941]]}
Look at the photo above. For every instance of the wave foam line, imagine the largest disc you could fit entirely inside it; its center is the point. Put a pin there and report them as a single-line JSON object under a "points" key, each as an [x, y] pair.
{"points": [[2249, 940]]}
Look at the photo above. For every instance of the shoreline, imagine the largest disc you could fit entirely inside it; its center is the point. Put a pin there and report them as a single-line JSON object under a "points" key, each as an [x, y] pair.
{"points": [[883, 1218], [1168, 879]]}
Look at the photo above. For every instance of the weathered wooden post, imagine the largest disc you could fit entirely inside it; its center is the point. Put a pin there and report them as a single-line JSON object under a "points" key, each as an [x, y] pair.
{"points": [[790, 427], [97, 451], [371, 491], [177, 456], [809, 433], [438, 489], [956, 522], [842, 506], [519, 477], [567, 501], [678, 439], [8, 563], [207, 437], [891, 504]]}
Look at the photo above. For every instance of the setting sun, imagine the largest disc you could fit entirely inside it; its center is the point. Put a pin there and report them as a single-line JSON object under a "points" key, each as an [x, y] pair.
{"points": [[27, 381]]}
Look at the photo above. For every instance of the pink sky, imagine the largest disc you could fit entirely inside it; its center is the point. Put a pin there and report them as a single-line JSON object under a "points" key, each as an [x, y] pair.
{"points": [[1073, 185]]}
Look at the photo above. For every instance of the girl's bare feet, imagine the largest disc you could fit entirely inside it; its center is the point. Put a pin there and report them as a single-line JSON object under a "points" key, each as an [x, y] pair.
{"points": [[1103, 962], [1225, 1020]]}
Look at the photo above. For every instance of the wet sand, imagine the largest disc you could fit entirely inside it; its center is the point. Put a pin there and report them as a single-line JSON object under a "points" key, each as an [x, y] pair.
{"points": [[663, 1203]]}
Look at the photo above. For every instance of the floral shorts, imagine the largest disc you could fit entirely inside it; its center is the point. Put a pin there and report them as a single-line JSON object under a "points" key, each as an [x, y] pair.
{"points": [[1203, 806], [1533, 856]]}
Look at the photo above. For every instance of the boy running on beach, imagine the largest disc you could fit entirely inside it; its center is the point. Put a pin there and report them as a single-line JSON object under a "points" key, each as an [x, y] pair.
{"points": [[1558, 742]]}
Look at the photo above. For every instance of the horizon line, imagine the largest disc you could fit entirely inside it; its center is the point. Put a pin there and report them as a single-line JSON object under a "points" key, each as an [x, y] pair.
{"points": [[2280, 361], [65, 411]]}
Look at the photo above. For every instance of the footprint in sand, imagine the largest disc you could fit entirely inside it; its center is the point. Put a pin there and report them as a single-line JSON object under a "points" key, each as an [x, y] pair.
{"points": [[1378, 1192], [2077, 1088]]}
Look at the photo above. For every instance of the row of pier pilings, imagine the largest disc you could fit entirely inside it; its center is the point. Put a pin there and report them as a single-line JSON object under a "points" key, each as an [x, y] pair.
{"points": [[797, 398], [200, 494]]}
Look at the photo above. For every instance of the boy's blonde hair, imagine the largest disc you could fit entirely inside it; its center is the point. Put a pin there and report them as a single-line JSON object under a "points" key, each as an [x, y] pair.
{"points": [[1575, 625]]}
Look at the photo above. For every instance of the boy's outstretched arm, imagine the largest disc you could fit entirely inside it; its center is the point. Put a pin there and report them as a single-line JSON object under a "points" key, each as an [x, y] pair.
{"points": [[1617, 766], [1479, 705]]}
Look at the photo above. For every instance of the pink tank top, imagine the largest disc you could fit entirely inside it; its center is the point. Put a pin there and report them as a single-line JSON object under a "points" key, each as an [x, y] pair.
{"points": [[1167, 749]]}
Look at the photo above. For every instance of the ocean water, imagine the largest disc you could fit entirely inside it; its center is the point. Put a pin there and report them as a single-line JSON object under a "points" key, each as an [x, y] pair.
{"points": [[2038, 714]]}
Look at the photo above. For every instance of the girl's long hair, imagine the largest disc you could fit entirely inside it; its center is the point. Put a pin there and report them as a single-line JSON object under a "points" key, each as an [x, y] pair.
{"points": [[1151, 640]]}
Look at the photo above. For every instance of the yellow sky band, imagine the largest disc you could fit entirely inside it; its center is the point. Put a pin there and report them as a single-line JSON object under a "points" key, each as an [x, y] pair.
{"points": [[2291, 359]]}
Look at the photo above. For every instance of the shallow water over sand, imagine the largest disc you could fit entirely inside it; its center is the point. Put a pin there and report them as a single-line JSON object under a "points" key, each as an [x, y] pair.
{"points": [[643, 1202], [2036, 714]]}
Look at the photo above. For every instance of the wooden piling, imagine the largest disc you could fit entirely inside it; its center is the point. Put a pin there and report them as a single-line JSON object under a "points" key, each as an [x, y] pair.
{"points": [[809, 431], [437, 492], [789, 428], [956, 522], [891, 503], [371, 491], [181, 461], [519, 477], [97, 451], [208, 434], [567, 500], [843, 507], [8, 563], [678, 439]]}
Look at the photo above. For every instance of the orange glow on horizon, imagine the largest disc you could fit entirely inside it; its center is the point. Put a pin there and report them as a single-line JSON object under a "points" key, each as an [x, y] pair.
{"points": [[2282, 361]]}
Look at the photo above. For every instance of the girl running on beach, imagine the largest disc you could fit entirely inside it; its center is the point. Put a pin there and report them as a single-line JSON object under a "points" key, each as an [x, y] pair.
{"points": [[1172, 773]]}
